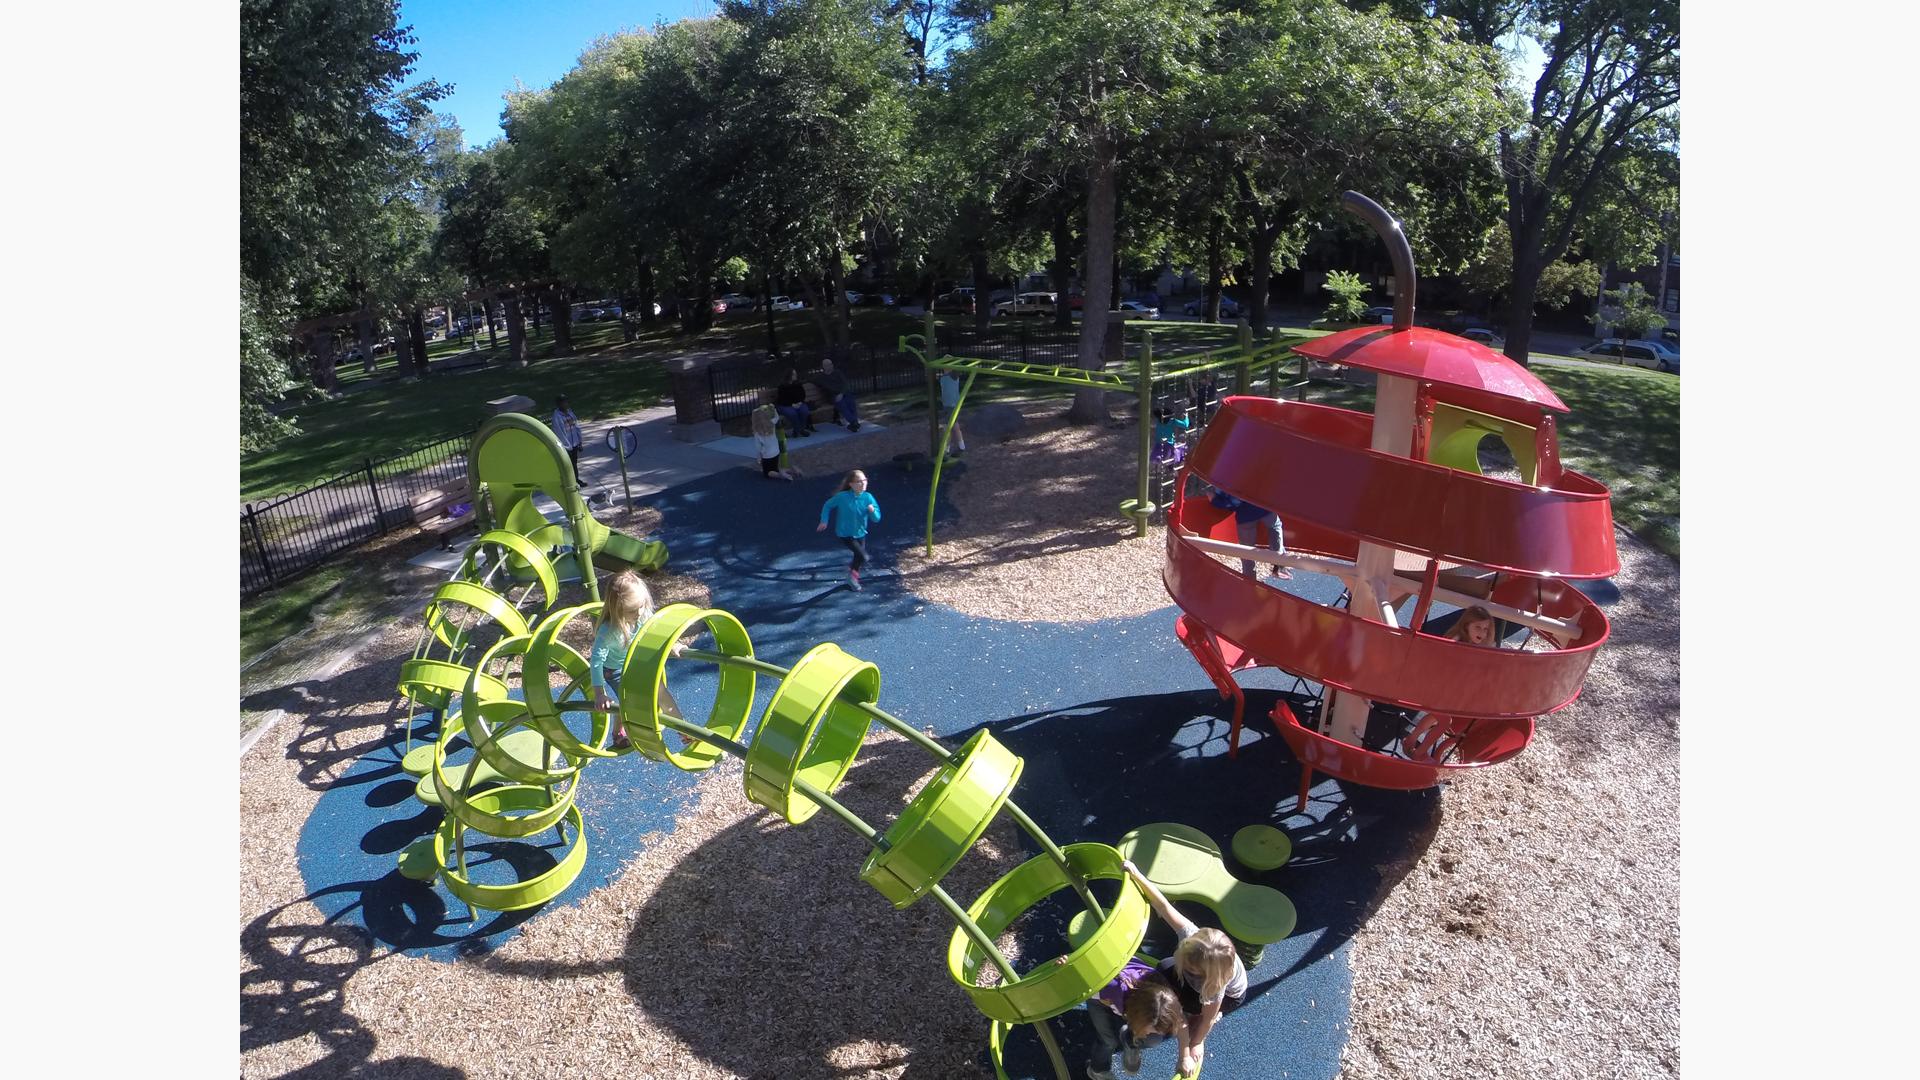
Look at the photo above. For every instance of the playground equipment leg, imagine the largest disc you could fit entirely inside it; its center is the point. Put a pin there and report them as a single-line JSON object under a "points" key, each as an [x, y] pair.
{"points": [[1306, 785], [1146, 433]]}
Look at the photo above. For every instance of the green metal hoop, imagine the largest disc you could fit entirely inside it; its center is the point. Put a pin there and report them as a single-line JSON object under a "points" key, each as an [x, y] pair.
{"points": [[515, 547], [645, 676], [943, 821], [810, 730], [1050, 989], [544, 653], [479, 598], [535, 890]]}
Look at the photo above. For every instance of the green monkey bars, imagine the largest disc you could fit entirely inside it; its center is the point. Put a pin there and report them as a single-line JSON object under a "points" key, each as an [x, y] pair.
{"points": [[1246, 358]]}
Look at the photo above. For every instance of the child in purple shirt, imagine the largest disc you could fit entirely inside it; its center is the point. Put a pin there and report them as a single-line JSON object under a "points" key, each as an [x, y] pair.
{"points": [[1150, 1008]]}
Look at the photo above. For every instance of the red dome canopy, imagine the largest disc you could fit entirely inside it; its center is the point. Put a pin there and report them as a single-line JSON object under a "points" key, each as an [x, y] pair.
{"points": [[1433, 355]]}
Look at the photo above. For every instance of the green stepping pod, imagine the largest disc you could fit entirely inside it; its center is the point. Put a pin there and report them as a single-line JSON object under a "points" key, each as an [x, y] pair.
{"points": [[1185, 863], [1050, 989], [644, 676], [943, 821], [810, 731]]}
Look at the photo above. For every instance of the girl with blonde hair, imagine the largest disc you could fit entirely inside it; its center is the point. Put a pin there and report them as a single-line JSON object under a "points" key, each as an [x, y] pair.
{"points": [[1204, 970], [626, 605], [766, 443]]}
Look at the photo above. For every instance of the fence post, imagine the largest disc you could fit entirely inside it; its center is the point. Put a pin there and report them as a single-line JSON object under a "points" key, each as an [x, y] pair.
{"points": [[1244, 375], [259, 542], [379, 512]]}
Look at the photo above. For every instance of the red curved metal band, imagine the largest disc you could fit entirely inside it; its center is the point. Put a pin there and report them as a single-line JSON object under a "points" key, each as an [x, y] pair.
{"points": [[1331, 478], [1397, 666], [1363, 766]]}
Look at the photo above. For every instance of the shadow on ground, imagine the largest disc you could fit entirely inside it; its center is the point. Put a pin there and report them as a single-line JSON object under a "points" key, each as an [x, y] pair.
{"points": [[765, 953]]}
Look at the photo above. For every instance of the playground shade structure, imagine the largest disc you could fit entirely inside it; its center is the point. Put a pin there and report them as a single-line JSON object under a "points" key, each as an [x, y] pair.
{"points": [[1395, 504]]}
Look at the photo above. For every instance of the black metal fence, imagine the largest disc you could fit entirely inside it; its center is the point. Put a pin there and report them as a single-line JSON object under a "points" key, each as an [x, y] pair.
{"points": [[737, 388], [1025, 342], [283, 539]]}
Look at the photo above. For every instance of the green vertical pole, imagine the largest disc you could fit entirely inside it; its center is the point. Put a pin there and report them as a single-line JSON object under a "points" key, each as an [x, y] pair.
{"points": [[1146, 431], [940, 454], [933, 393], [1244, 381]]}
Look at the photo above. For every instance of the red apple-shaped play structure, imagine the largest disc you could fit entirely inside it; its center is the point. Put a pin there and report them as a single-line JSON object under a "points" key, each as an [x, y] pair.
{"points": [[1394, 504]]}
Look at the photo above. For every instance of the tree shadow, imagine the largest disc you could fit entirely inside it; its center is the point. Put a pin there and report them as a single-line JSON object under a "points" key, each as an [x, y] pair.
{"points": [[766, 955], [294, 986]]}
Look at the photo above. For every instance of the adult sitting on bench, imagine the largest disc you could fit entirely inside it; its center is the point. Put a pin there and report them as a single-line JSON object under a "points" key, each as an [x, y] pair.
{"points": [[790, 399], [834, 385]]}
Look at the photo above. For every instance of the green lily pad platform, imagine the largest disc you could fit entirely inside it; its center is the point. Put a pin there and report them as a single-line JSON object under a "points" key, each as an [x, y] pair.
{"points": [[1185, 863]]}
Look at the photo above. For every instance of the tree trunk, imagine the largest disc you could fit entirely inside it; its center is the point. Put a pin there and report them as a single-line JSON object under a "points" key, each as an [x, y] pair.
{"points": [[1090, 405], [321, 361], [647, 294], [1260, 245], [562, 307], [1215, 257], [1526, 282], [516, 331], [417, 341], [766, 306], [982, 290], [1062, 267], [363, 329], [843, 324]]}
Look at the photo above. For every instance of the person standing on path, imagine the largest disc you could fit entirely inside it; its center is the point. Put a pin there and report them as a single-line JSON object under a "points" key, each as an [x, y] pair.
{"points": [[949, 397], [567, 426], [851, 509]]}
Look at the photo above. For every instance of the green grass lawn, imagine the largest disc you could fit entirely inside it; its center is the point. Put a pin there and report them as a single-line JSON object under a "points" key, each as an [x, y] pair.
{"points": [[273, 616], [382, 416]]}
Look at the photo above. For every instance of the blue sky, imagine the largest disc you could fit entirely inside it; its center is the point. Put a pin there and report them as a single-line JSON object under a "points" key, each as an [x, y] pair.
{"points": [[482, 46]]}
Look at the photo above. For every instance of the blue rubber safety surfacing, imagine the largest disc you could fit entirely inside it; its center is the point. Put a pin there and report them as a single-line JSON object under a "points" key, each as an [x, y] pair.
{"points": [[1116, 722]]}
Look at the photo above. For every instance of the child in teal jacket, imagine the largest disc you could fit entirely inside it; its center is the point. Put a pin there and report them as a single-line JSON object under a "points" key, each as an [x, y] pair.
{"points": [[850, 510]]}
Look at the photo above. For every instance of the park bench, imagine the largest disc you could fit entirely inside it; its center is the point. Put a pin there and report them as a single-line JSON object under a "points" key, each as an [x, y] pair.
{"points": [[819, 400], [430, 513]]}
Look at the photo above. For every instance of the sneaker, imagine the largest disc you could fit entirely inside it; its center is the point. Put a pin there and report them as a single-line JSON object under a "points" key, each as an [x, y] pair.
{"points": [[853, 576], [1130, 1060], [1094, 1072], [855, 426]]}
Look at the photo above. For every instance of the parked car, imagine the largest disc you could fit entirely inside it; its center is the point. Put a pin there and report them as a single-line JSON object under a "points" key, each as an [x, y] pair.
{"points": [[854, 299], [787, 303], [1377, 315], [1485, 337], [1229, 307], [738, 302], [1647, 354], [960, 300], [1139, 309], [719, 306], [1028, 303]]}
